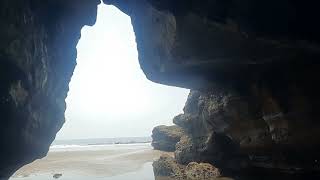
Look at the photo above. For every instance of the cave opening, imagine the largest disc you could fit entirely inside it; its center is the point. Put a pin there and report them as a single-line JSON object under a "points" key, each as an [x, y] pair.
{"points": [[252, 108], [110, 101], [108, 88]]}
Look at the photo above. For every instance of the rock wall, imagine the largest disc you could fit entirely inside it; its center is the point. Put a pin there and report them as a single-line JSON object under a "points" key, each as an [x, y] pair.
{"points": [[37, 59], [200, 44], [253, 67], [242, 133]]}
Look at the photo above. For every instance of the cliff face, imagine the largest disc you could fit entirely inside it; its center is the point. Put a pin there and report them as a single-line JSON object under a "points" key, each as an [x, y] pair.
{"points": [[203, 44], [240, 133], [253, 67], [38, 55]]}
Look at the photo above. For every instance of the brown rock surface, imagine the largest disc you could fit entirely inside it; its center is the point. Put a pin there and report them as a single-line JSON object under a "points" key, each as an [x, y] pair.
{"points": [[167, 167], [165, 137], [253, 67], [201, 171]]}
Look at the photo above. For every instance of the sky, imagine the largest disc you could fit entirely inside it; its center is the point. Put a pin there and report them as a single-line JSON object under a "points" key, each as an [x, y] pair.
{"points": [[109, 95]]}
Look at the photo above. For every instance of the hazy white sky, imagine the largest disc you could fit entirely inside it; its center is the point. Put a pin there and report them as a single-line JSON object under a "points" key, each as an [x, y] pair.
{"points": [[109, 94]]}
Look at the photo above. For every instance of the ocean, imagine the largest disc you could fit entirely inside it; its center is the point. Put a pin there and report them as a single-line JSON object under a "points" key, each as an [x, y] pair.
{"points": [[99, 141], [103, 159]]}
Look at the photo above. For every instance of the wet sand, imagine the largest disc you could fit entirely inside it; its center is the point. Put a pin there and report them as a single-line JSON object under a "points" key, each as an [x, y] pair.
{"points": [[103, 162]]}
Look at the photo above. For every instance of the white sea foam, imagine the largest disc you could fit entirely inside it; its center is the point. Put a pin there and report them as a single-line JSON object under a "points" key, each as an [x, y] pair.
{"points": [[63, 148]]}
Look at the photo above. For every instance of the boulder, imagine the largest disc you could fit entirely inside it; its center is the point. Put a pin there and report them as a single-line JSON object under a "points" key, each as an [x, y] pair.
{"points": [[166, 167], [57, 175], [201, 171], [164, 138]]}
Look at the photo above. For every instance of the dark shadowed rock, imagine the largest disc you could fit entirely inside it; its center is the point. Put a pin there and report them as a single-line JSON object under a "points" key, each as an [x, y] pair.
{"points": [[57, 175], [232, 132], [165, 137], [253, 67], [37, 58]]}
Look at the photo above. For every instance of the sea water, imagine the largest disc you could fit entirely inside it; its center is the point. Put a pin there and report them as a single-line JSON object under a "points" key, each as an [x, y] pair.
{"points": [[99, 141], [145, 173], [120, 145]]}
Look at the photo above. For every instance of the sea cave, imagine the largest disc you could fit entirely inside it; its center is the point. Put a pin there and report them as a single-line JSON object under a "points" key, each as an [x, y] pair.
{"points": [[252, 68]]}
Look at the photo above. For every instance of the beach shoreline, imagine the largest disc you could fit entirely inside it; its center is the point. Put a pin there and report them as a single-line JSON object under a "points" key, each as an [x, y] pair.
{"points": [[103, 161]]}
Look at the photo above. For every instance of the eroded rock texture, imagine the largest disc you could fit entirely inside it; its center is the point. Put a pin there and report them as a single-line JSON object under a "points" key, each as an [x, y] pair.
{"points": [[234, 132], [202, 171], [168, 168], [165, 138], [202, 43], [37, 58], [253, 67]]}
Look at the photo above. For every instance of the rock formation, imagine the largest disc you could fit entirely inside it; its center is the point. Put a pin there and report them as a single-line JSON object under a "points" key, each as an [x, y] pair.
{"points": [[57, 175], [37, 59], [253, 68], [201, 171], [165, 138], [167, 168]]}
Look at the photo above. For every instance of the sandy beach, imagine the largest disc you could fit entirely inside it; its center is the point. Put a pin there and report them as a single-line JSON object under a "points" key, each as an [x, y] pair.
{"points": [[116, 162]]}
